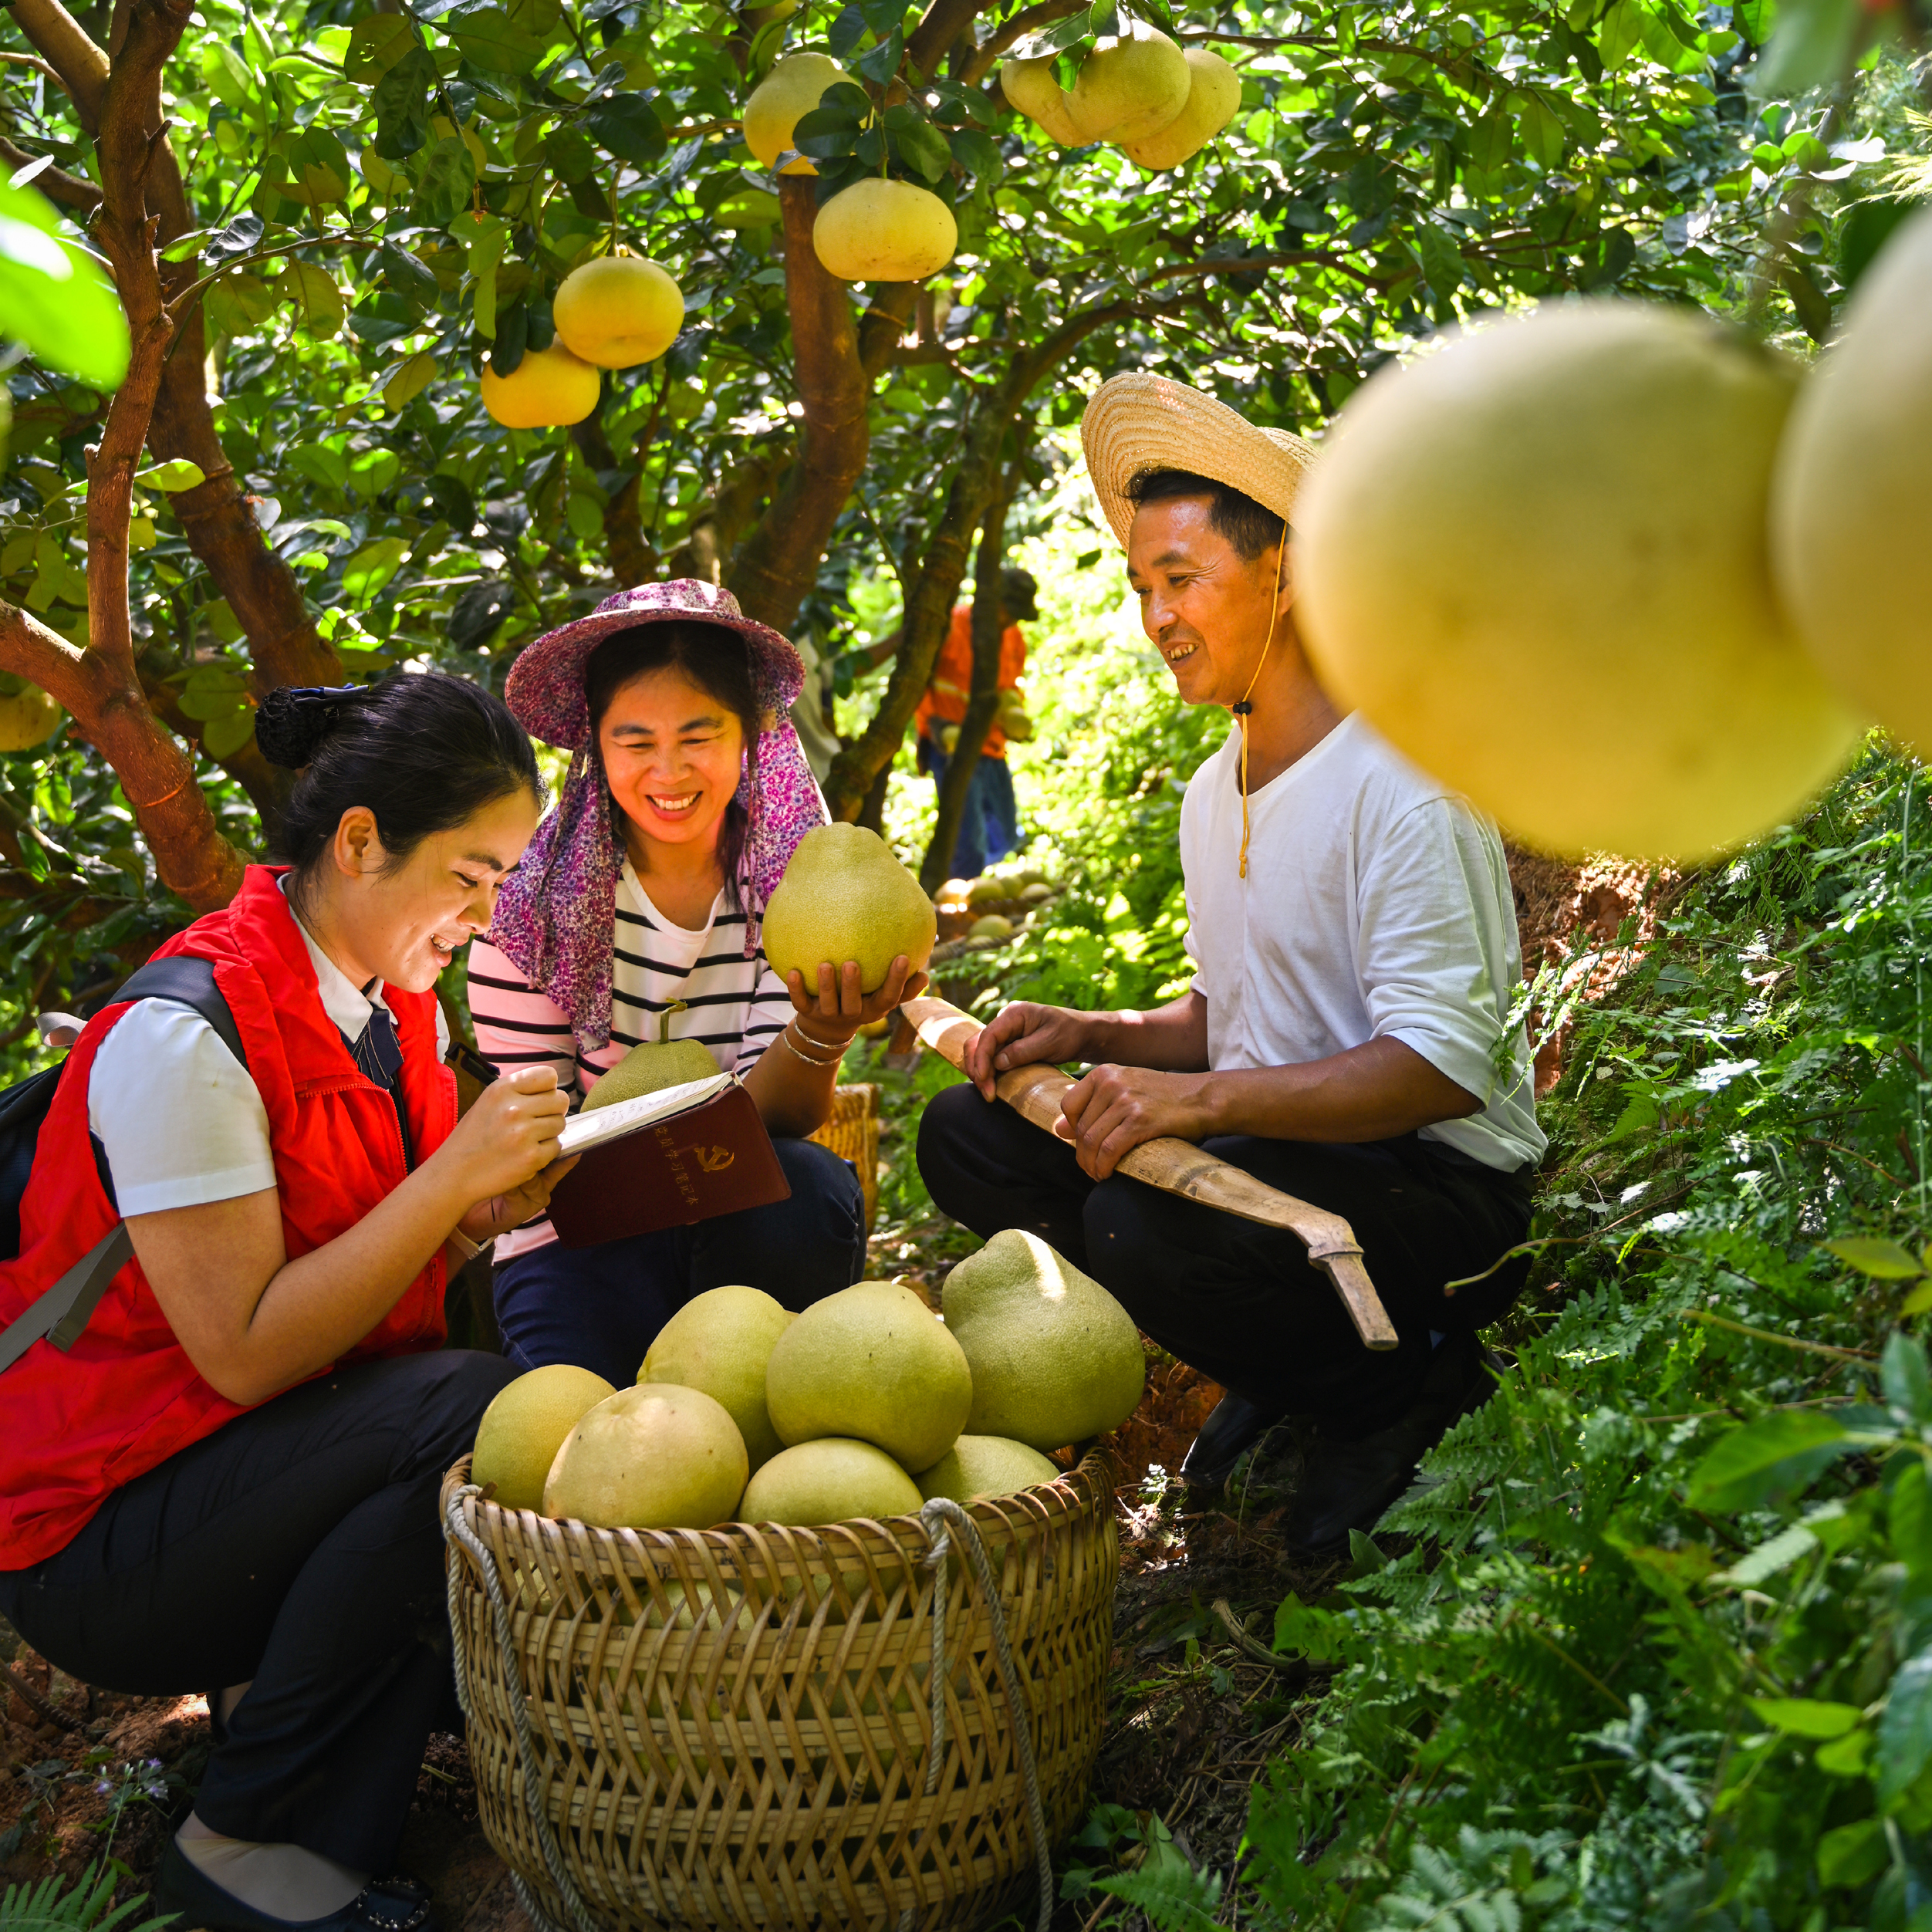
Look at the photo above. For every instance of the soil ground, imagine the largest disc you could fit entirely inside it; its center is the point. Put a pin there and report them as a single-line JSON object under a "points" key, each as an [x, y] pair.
{"points": [[1194, 1714]]}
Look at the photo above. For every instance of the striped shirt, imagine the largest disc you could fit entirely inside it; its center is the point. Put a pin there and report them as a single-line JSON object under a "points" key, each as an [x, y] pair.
{"points": [[735, 1006]]}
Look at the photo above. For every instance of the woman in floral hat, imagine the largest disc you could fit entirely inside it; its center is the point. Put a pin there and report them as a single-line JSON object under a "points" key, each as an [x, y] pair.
{"points": [[687, 795]]}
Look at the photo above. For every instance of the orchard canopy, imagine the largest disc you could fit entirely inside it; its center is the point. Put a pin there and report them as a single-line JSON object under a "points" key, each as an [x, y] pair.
{"points": [[253, 256]]}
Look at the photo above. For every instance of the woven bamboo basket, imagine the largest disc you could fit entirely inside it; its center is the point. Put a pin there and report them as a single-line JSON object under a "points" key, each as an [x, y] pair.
{"points": [[851, 1133], [728, 1727]]}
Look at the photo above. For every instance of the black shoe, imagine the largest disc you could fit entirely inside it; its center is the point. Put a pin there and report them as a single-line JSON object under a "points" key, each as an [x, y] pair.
{"points": [[1347, 1485], [383, 1905], [1235, 1426]]}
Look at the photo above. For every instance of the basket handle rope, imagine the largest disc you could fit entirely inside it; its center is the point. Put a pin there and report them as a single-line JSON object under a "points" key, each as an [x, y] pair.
{"points": [[573, 1903], [943, 1519]]}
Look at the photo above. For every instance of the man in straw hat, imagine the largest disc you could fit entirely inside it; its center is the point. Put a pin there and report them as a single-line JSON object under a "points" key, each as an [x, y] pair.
{"points": [[1352, 931]]}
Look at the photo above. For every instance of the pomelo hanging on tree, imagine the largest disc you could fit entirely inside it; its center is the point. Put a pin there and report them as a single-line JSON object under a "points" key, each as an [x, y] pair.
{"points": [[549, 388], [1849, 542], [1131, 85], [788, 93], [618, 311], [1536, 561], [1213, 99], [885, 231]]}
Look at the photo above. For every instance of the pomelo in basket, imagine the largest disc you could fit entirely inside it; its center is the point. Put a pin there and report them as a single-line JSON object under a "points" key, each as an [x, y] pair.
{"points": [[1536, 560], [831, 1479], [779, 102], [654, 1457], [878, 230], [1849, 540], [1214, 98], [721, 1342], [844, 896], [618, 311], [524, 1427], [978, 1466], [873, 1361], [548, 388], [1054, 1358]]}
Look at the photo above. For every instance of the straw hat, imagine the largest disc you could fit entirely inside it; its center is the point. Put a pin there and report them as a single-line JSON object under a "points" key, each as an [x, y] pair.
{"points": [[1136, 423]]}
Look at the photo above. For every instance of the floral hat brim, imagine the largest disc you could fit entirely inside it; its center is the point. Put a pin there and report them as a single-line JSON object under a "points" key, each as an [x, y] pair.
{"points": [[545, 690]]}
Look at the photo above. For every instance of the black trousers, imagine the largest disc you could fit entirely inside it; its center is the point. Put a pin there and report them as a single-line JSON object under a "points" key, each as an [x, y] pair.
{"points": [[1239, 1302], [299, 1545]]}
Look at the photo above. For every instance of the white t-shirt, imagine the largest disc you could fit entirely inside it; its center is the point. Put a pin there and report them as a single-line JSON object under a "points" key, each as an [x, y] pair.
{"points": [[179, 1117], [1377, 904], [735, 1005]]}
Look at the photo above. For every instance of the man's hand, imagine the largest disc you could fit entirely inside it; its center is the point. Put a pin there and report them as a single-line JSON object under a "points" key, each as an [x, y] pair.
{"points": [[1022, 1034], [1112, 1110]]}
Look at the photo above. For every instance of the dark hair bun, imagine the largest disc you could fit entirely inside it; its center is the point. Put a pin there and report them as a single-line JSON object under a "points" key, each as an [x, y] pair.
{"points": [[294, 720]]}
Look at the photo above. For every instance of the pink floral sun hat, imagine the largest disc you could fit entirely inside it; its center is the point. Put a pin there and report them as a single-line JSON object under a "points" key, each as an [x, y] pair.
{"points": [[557, 914]]}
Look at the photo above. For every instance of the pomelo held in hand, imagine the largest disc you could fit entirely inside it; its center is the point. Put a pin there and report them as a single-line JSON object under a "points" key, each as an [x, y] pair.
{"points": [[548, 388], [977, 1466], [884, 231], [873, 1361], [1054, 1358], [1536, 560], [1214, 97], [654, 1066], [656, 1456], [524, 1427], [787, 94], [1850, 542], [721, 1342], [618, 310], [830, 1480], [844, 896]]}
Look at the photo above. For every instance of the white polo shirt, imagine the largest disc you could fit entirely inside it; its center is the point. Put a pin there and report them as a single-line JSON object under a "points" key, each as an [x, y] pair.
{"points": [[1377, 904]]}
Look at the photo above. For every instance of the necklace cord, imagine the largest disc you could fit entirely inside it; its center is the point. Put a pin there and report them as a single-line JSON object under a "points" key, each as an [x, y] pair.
{"points": [[1244, 708]]}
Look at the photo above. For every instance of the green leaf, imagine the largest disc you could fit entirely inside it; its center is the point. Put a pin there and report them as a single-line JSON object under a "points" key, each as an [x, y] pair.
{"points": [[443, 185], [376, 43], [374, 471], [176, 474], [372, 566], [1918, 1301], [494, 40], [1488, 145], [53, 298], [1621, 29], [1804, 1718], [1775, 1456], [624, 125], [1542, 133], [1905, 1731], [1853, 1853], [317, 300], [1885, 1261], [977, 152], [402, 101], [1780, 1553], [1811, 46], [213, 691], [1441, 260], [410, 379], [1905, 1378], [483, 237], [310, 168], [924, 147], [225, 736]]}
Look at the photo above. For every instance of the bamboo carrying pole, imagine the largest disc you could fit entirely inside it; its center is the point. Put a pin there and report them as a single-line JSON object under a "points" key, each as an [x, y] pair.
{"points": [[1179, 1168]]}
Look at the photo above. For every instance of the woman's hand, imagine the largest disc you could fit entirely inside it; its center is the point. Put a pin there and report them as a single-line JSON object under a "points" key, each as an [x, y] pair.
{"points": [[839, 1009], [508, 1138]]}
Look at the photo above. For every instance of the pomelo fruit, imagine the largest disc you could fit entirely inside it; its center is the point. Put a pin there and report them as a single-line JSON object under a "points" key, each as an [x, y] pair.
{"points": [[1128, 86], [652, 1065], [618, 311], [873, 1361], [994, 926], [28, 717], [1031, 88], [524, 1427], [549, 387], [1849, 545], [977, 1466], [1054, 1358], [1213, 97], [989, 890], [1536, 560], [779, 102], [1034, 893], [655, 1456], [844, 896], [719, 1341], [878, 230], [832, 1479]]}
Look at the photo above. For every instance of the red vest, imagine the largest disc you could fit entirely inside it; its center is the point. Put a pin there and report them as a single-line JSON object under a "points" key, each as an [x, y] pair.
{"points": [[126, 1396]]}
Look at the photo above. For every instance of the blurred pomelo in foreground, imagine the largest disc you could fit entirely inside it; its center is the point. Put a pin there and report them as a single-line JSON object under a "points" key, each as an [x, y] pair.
{"points": [[1537, 561], [618, 310], [1852, 509]]}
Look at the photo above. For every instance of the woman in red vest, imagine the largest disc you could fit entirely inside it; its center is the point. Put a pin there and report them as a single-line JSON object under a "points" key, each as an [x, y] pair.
{"points": [[229, 1479]]}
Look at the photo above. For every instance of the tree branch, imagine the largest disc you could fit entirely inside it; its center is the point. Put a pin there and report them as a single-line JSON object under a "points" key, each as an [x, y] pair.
{"points": [[81, 64], [944, 22], [1028, 20], [70, 190]]}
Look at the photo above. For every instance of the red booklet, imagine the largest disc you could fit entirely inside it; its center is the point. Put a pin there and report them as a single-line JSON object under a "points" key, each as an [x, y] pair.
{"points": [[663, 1160]]}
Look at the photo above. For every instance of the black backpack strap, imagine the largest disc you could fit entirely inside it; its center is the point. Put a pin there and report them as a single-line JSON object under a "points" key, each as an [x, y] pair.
{"points": [[188, 982]]}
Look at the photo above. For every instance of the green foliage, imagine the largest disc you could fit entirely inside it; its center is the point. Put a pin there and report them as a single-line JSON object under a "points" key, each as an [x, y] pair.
{"points": [[85, 1906], [53, 297], [1663, 1655]]}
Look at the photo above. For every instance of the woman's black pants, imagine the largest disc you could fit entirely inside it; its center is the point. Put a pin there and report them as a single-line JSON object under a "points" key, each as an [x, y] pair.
{"points": [[299, 1546], [1240, 1302]]}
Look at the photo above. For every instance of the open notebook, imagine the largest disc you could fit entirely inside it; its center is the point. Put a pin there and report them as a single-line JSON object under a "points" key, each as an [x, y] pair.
{"points": [[664, 1160]]}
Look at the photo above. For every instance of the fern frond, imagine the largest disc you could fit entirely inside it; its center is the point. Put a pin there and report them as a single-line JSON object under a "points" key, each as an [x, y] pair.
{"points": [[51, 1906]]}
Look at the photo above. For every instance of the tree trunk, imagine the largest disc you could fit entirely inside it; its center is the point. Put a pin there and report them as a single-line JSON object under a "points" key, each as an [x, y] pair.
{"points": [[982, 704]]}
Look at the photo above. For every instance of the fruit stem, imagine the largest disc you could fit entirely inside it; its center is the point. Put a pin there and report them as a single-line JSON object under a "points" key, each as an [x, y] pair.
{"points": [[663, 1020]]}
